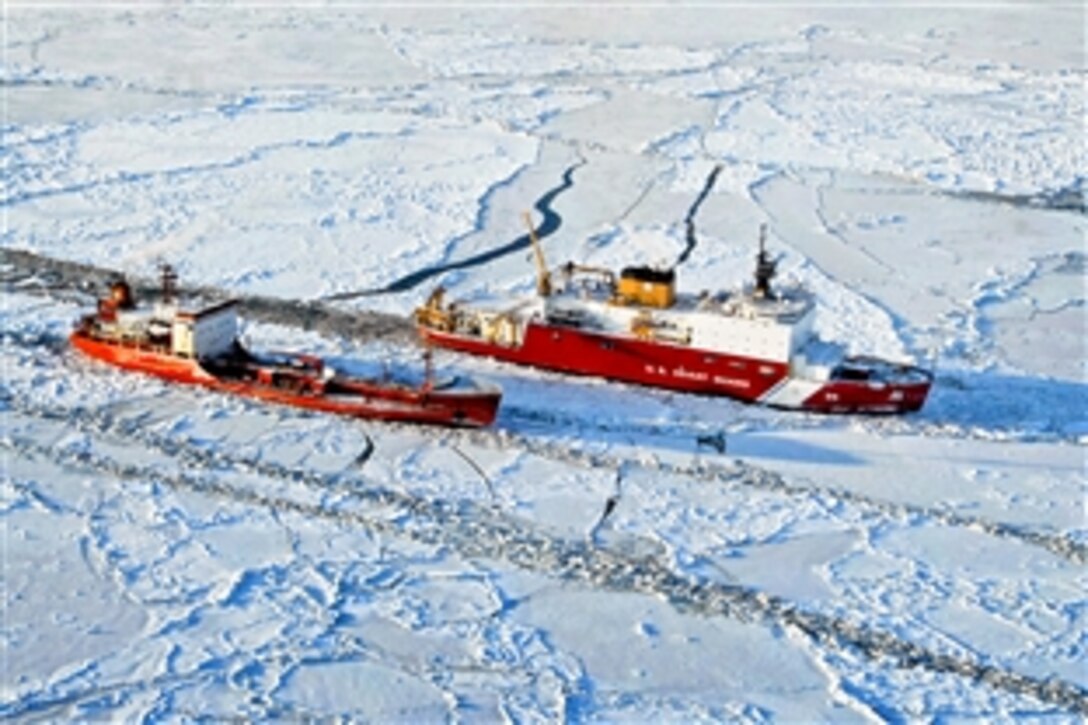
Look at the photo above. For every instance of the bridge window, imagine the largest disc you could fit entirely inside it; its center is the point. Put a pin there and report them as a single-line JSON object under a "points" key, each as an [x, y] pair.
{"points": [[849, 373]]}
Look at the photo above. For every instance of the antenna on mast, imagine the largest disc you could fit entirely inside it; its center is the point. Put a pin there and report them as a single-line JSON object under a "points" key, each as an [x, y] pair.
{"points": [[543, 278], [765, 267], [169, 283]]}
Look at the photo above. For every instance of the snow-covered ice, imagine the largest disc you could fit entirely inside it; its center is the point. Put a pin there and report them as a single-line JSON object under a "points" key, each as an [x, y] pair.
{"points": [[171, 553]]}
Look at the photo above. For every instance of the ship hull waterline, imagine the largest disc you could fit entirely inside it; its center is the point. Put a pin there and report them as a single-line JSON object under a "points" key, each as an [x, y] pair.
{"points": [[370, 401], [673, 367]]}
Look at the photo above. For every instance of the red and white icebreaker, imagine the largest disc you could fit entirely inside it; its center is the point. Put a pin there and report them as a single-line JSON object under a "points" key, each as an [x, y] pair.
{"points": [[755, 345]]}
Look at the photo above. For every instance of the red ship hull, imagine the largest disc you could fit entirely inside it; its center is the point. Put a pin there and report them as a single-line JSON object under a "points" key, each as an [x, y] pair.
{"points": [[351, 397], [675, 367]]}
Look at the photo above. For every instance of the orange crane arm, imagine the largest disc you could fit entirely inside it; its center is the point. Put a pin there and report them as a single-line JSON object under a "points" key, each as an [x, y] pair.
{"points": [[543, 278]]}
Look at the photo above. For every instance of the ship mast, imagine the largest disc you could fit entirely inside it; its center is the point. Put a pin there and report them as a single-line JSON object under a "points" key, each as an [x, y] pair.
{"points": [[765, 268], [169, 283], [543, 278]]}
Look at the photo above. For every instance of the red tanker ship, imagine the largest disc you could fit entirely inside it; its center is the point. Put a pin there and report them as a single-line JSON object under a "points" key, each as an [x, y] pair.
{"points": [[201, 348], [755, 345]]}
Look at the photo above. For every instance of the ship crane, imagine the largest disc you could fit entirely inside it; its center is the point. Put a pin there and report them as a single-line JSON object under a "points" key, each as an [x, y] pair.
{"points": [[543, 277]]}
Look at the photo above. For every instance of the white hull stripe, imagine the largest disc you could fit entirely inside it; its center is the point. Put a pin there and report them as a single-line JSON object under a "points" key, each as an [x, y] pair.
{"points": [[790, 392]]}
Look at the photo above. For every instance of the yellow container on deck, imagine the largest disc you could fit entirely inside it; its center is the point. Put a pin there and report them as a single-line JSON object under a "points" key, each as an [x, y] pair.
{"points": [[647, 286]]}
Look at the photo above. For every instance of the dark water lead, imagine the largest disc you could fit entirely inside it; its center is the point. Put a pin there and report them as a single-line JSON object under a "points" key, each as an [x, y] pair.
{"points": [[552, 221], [689, 220]]}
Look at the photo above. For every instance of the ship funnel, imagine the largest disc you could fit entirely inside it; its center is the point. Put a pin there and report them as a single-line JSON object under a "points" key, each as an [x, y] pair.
{"points": [[121, 295], [765, 268]]}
